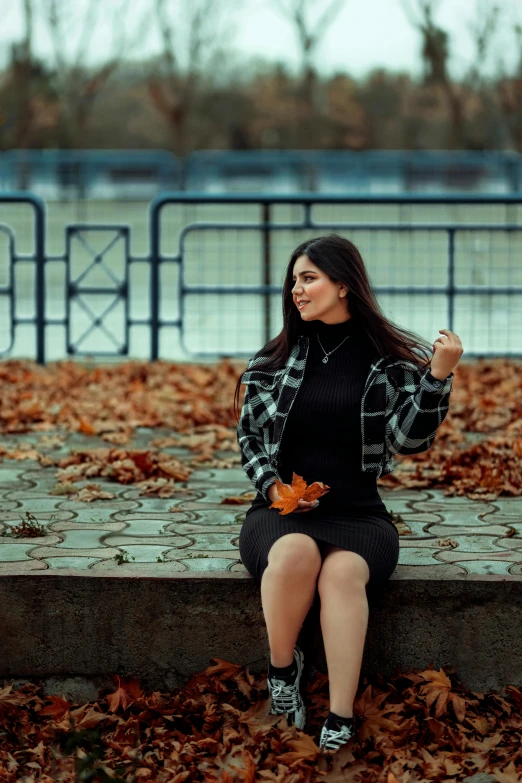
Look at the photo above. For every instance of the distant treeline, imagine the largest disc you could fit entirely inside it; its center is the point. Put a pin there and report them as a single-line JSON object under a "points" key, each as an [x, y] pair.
{"points": [[210, 103]]}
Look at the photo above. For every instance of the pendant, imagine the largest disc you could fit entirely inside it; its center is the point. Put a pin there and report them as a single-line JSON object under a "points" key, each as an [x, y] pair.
{"points": [[325, 359]]}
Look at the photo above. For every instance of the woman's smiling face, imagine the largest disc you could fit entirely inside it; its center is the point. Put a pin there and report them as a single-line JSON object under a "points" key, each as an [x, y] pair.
{"points": [[326, 301]]}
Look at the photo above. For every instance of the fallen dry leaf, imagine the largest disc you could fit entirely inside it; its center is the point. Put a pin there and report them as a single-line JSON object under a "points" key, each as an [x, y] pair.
{"points": [[291, 495], [93, 492], [239, 500]]}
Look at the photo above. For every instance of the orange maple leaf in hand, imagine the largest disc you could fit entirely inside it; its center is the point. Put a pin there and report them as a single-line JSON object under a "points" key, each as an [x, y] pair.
{"points": [[289, 496]]}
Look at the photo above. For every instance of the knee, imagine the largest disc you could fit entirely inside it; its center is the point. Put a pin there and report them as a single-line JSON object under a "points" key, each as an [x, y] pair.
{"points": [[295, 553], [344, 573]]}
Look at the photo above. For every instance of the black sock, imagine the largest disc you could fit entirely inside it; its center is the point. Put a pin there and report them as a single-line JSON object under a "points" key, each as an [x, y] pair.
{"points": [[333, 721], [283, 672]]}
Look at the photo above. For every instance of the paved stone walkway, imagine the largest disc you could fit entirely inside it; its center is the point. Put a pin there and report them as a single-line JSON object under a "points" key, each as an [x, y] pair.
{"points": [[441, 537]]}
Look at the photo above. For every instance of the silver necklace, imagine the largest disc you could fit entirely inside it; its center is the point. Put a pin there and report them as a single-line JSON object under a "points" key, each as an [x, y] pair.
{"points": [[326, 355]]}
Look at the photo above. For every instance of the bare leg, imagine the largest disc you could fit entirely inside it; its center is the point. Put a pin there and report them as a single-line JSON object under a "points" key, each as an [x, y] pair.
{"points": [[288, 588], [344, 622]]}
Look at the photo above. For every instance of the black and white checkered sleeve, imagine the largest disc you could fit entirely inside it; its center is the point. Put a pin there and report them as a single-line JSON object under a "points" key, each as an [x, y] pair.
{"points": [[254, 458], [420, 405]]}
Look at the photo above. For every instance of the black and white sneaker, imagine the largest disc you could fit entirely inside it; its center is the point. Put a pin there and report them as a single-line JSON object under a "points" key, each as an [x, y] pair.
{"points": [[335, 736], [286, 694]]}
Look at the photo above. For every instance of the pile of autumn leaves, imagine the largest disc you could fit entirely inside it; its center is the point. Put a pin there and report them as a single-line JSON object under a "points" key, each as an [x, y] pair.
{"points": [[191, 403], [477, 451], [413, 727]]}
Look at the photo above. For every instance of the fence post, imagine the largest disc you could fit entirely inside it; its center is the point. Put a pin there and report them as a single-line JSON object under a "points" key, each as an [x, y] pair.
{"points": [[451, 277], [266, 267], [154, 226]]}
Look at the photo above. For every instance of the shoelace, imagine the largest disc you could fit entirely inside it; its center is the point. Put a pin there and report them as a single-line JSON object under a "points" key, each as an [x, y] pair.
{"points": [[332, 739], [286, 696]]}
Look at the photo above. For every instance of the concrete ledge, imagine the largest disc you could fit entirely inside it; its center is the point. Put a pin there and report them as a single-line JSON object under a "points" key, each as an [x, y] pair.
{"points": [[70, 630], [126, 586]]}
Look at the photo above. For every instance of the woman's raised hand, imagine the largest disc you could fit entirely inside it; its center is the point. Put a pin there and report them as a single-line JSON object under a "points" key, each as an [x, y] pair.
{"points": [[447, 350]]}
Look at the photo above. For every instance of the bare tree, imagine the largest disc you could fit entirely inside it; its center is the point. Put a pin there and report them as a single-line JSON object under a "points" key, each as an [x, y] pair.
{"points": [[175, 87], [76, 84], [510, 93], [23, 86], [310, 33], [485, 130], [22, 65], [483, 26], [435, 53]]}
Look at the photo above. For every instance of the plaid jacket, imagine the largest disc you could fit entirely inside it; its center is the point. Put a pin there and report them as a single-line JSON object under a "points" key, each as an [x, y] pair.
{"points": [[401, 409]]}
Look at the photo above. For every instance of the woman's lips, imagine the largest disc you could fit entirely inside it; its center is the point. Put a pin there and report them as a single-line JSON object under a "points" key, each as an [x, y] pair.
{"points": [[303, 305]]}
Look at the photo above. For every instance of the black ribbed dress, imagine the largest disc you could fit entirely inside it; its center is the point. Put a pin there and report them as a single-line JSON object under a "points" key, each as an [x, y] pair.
{"points": [[322, 441]]}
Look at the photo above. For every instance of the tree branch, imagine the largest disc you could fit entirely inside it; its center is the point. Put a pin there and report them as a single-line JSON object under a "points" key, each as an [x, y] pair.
{"points": [[328, 16], [168, 40], [87, 31]]}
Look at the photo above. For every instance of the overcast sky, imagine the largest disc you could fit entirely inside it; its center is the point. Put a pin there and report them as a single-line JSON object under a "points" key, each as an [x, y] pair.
{"points": [[366, 34]]}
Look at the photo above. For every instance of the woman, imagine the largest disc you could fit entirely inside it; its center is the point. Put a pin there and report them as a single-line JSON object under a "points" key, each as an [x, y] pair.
{"points": [[332, 398]]}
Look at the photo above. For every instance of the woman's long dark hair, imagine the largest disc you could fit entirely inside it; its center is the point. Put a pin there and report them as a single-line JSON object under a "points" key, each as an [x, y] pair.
{"points": [[342, 262]]}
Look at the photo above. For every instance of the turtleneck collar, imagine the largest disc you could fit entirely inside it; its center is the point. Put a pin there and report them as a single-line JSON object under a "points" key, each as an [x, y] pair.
{"points": [[322, 328]]}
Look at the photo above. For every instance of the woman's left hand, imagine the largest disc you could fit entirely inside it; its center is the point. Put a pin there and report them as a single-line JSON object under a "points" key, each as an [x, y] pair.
{"points": [[447, 352]]}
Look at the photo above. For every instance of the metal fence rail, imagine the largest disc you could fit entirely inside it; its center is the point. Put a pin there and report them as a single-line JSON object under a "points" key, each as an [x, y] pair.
{"points": [[265, 227], [449, 289], [345, 171], [190, 260], [82, 174], [69, 175], [37, 258]]}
